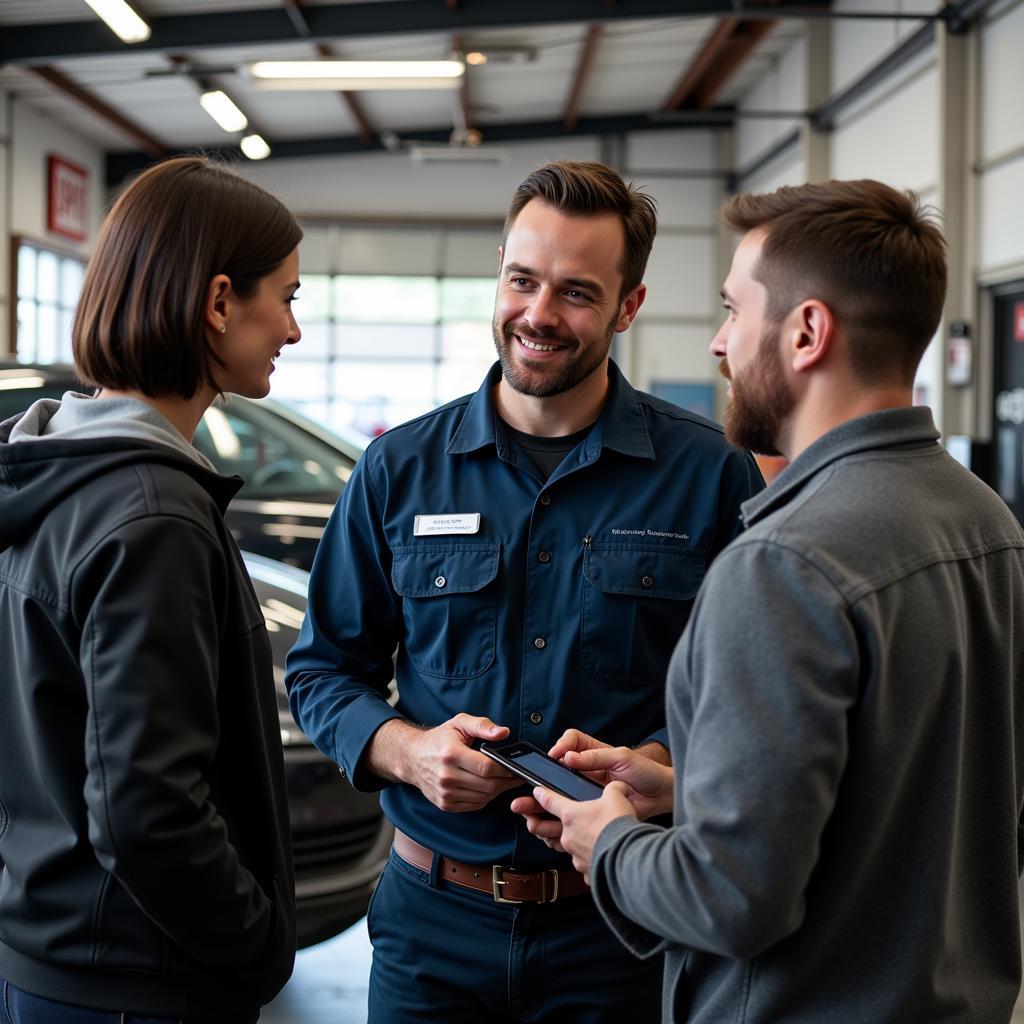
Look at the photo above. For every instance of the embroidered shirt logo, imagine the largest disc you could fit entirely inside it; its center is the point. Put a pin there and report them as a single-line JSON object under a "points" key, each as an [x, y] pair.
{"points": [[649, 533]]}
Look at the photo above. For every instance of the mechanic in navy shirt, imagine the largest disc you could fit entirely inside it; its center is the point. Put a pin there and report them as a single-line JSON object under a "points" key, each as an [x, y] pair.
{"points": [[532, 551]]}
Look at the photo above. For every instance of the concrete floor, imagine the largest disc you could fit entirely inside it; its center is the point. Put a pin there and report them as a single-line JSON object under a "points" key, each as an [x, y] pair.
{"points": [[329, 983]]}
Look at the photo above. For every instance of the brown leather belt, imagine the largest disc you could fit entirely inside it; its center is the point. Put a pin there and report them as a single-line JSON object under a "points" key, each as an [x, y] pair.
{"points": [[506, 885]]}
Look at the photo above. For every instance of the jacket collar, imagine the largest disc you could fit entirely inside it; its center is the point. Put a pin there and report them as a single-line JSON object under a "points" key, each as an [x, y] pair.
{"points": [[910, 427], [621, 425]]}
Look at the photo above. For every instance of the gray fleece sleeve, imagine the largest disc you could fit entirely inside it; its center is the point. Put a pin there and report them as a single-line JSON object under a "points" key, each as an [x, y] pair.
{"points": [[759, 689]]}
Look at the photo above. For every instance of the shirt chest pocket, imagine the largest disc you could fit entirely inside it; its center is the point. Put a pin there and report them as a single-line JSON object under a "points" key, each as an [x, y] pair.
{"points": [[448, 606], [636, 601]]}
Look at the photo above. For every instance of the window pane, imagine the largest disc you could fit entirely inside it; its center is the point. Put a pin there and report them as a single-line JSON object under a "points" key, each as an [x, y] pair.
{"points": [[49, 268], [467, 298], [71, 274], [48, 336], [313, 300], [315, 342], [396, 300], [384, 393], [64, 354], [26, 271], [468, 341], [297, 380], [383, 340], [457, 379], [26, 331]]}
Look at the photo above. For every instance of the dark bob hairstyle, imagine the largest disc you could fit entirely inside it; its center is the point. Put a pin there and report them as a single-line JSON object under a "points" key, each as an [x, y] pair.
{"points": [[140, 324]]}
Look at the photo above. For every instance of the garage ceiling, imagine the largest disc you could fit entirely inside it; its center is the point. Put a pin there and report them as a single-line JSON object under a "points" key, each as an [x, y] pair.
{"points": [[555, 66]]}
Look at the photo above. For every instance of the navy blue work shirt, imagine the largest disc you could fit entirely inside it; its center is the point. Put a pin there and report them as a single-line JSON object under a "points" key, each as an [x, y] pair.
{"points": [[560, 611]]}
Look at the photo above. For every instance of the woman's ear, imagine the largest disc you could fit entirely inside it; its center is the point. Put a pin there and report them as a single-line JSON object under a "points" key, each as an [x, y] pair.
{"points": [[218, 293]]}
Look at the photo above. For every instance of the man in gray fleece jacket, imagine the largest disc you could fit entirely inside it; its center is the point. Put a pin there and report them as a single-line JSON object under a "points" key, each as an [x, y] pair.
{"points": [[845, 707]]}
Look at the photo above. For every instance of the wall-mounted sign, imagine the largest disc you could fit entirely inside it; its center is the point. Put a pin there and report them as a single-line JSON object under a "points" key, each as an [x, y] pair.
{"points": [[68, 203]]}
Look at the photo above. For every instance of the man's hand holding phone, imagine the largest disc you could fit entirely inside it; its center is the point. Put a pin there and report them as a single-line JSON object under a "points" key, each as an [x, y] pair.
{"points": [[583, 821], [649, 784]]}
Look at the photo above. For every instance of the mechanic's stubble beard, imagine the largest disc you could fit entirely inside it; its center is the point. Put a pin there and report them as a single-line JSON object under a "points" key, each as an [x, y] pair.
{"points": [[540, 381]]}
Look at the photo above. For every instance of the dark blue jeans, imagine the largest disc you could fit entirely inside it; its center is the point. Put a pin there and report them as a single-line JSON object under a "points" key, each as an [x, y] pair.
{"points": [[18, 1007], [445, 953]]}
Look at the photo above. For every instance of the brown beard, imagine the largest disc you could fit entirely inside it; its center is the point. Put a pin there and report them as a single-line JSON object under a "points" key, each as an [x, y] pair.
{"points": [[572, 373], [761, 401]]}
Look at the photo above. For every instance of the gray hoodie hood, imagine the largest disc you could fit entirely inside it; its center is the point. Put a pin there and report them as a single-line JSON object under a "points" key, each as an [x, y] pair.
{"points": [[52, 450], [79, 417]]}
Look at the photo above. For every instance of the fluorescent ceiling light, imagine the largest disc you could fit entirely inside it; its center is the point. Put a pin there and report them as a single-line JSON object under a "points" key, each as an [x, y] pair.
{"points": [[221, 108], [456, 155], [123, 21], [255, 147], [357, 74]]}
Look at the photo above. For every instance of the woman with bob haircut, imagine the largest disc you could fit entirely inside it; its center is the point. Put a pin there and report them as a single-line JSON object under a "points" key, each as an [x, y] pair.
{"points": [[143, 814]]}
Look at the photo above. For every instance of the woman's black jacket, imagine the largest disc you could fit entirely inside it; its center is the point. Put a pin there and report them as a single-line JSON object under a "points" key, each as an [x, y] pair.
{"points": [[143, 816]]}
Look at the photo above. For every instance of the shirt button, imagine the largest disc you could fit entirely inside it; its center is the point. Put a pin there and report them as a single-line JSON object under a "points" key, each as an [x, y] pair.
{"points": [[544, 557], [536, 718], [545, 499], [540, 643], [647, 581], [441, 581]]}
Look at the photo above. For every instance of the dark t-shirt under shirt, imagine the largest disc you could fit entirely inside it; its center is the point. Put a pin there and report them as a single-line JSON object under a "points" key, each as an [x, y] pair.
{"points": [[545, 452]]}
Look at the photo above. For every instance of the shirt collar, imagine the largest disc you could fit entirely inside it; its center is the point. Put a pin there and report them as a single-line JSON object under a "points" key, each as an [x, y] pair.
{"points": [[909, 427], [621, 425]]}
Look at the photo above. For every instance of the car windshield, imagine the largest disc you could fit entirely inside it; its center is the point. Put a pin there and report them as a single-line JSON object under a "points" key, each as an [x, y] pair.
{"points": [[274, 456]]}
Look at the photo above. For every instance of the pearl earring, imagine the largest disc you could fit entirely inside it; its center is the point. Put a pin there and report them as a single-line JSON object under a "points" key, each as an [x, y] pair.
{"points": [[223, 328]]}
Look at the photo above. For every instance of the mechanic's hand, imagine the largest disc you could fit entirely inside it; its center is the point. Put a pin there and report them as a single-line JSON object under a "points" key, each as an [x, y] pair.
{"points": [[441, 763], [584, 820]]}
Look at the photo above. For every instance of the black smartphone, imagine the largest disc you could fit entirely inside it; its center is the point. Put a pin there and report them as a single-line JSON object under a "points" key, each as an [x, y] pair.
{"points": [[531, 763]]}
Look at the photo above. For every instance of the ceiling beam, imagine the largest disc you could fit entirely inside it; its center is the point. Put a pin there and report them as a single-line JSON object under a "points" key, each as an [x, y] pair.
{"points": [[745, 38], [296, 11], [49, 41], [584, 66], [463, 113], [698, 67], [723, 53], [149, 145], [120, 165]]}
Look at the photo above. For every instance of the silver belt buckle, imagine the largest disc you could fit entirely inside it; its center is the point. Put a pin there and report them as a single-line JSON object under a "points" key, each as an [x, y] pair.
{"points": [[497, 882]]}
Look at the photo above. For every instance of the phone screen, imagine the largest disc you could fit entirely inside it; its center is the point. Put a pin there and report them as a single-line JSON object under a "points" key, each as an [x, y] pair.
{"points": [[560, 776]]}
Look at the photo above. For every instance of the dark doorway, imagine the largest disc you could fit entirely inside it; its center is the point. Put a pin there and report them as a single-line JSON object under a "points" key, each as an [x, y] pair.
{"points": [[1008, 419]]}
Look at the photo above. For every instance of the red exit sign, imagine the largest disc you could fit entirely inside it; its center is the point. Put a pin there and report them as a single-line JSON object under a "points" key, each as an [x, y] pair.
{"points": [[1018, 321], [68, 203]]}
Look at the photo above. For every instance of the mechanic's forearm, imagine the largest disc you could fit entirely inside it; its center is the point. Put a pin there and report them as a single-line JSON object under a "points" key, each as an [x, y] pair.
{"points": [[389, 754]]}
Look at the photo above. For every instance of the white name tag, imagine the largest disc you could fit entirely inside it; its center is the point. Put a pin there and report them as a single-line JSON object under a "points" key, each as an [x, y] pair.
{"points": [[433, 526]]}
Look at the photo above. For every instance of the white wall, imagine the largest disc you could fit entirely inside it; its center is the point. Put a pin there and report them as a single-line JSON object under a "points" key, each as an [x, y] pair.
{"points": [[34, 137], [783, 87], [31, 137], [1000, 181], [391, 186], [669, 339]]}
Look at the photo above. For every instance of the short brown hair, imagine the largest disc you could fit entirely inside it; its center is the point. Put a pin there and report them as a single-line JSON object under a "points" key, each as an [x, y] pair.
{"points": [[585, 188], [872, 254], [139, 323]]}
